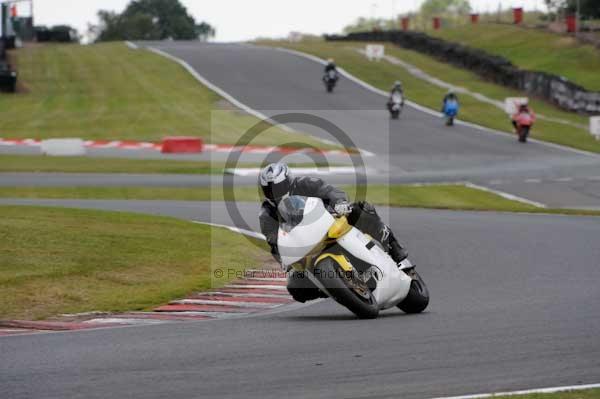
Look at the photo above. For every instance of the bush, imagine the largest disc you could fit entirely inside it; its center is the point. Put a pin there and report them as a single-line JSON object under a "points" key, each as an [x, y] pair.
{"points": [[58, 33]]}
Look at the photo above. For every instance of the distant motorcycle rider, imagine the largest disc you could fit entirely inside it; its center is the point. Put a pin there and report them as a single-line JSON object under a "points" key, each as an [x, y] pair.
{"points": [[330, 67], [276, 183], [450, 96], [523, 109], [397, 90]]}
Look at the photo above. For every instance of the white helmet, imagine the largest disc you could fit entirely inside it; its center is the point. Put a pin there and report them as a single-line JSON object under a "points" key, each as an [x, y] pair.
{"points": [[275, 181]]}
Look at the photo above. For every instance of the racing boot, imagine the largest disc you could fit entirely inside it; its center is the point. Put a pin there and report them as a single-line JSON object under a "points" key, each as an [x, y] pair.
{"points": [[302, 289], [396, 251]]}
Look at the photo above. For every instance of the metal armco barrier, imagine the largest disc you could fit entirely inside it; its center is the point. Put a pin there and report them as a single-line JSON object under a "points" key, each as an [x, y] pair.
{"points": [[555, 89]]}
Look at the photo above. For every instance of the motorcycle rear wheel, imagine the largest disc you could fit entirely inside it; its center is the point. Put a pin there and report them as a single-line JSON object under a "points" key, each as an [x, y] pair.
{"points": [[329, 273], [418, 296]]}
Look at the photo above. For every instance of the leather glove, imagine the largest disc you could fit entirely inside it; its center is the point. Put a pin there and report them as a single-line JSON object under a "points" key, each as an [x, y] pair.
{"points": [[343, 208]]}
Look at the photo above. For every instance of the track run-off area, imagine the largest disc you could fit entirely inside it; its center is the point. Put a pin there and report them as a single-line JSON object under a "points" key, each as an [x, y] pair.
{"points": [[514, 296]]}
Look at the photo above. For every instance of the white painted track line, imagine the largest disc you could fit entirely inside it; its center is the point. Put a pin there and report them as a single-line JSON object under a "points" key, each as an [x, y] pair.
{"points": [[332, 170], [238, 103], [215, 88], [240, 295], [266, 305], [258, 286], [506, 195], [525, 392], [249, 233], [266, 278]]}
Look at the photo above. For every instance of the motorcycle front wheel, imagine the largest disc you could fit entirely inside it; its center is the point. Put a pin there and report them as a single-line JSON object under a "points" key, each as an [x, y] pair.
{"points": [[418, 296], [361, 302]]}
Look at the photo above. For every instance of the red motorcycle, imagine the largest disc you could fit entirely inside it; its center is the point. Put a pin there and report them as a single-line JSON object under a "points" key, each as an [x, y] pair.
{"points": [[523, 121]]}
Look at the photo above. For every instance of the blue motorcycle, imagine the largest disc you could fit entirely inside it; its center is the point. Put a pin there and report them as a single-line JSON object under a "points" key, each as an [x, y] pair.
{"points": [[450, 111]]}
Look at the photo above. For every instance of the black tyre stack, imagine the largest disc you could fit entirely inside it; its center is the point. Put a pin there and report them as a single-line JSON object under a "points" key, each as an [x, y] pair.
{"points": [[8, 77]]}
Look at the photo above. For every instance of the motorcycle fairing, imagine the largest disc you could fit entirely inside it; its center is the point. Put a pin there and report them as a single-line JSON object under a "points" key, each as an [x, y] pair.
{"points": [[391, 289]]}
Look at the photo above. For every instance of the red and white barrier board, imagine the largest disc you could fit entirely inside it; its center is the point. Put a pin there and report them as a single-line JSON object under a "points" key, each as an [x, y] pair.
{"points": [[181, 145]]}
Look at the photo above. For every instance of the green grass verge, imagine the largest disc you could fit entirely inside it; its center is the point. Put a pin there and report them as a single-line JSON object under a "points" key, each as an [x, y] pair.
{"points": [[383, 74], [532, 49], [39, 163], [55, 260], [108, 91], [454, 197], [579, 394]]}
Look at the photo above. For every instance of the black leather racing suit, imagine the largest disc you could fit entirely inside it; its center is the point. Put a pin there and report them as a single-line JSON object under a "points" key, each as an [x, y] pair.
{"points": [[363, 217], [330, 67]]}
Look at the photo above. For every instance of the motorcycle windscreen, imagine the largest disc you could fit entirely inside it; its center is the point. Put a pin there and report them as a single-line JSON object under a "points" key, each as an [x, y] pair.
{"points": [[304, 224]]}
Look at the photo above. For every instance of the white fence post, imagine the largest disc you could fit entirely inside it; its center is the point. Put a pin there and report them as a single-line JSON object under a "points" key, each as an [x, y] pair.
{"points": [[595, 126]]}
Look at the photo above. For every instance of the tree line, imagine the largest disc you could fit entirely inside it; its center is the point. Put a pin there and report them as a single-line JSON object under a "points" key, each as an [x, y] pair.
{"points": [[151, 20]]}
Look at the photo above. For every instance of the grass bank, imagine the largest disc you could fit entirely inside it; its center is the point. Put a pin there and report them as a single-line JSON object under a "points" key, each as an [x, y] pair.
{"points": [[453, 197], [108, 91], [532, 49], [383, 74], [39, 163], [55, 260]]}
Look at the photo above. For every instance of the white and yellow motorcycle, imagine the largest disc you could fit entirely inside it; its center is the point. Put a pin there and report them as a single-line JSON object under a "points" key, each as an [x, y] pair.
{"points": [[344, 263]]}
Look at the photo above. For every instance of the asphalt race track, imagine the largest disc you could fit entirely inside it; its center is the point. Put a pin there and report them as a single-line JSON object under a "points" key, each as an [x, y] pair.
{"points": [[514, 305], [416, 148], [418, 144]]}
